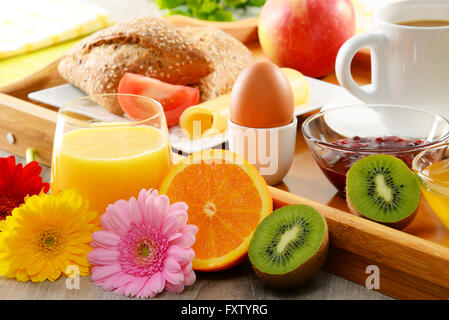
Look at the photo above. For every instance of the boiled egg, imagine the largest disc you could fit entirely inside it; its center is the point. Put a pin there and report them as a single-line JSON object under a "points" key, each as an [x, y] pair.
{"points": [[262, 97]]}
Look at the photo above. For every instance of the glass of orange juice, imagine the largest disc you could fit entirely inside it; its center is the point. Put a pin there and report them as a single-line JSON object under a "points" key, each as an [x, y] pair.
{"points": [[107, 157], [432, 168]]}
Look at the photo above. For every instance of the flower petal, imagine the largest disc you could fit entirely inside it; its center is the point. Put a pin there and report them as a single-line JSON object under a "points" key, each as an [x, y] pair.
{"points": [[171, 238], [132, 288], [186, 241], [174, 288], [141, 199], [116, 281], [119, 290], [22, 276], [171, 265], [189, 275], [150, 210], [173, 221], [189, 278], [154, 193], [134, 213], [102, 272], [35, 267], [187, 268], [153, 286], [106, 222], [190, 228], [119, 217], [183, 256], [179, 206], [105, 239], [102, 256], [159, 208], [174, 277]]}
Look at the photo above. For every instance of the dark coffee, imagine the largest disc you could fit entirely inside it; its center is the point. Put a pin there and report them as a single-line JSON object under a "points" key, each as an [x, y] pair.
{"points": [[425, 23]]}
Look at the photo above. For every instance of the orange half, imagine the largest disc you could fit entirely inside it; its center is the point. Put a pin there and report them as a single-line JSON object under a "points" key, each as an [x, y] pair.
{"points": [[227, 199]]}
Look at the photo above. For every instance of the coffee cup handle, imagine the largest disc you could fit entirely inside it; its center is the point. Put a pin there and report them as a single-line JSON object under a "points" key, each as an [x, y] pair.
{"points": [[376, 41]]}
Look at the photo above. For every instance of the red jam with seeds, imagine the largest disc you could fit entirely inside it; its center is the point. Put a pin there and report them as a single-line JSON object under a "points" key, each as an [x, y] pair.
{"points": [[335, 163]]}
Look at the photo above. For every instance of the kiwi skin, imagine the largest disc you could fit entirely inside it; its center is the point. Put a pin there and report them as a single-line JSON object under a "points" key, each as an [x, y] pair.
{"points": [[303, 272], [401, 224]]}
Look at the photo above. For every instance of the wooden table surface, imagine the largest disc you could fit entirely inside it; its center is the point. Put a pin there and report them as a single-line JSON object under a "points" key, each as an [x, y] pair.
{"points": [[239, 282]]}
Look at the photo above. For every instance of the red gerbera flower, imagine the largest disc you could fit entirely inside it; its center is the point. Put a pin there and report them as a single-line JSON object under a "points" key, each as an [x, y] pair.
{"points": [[17, 182]]}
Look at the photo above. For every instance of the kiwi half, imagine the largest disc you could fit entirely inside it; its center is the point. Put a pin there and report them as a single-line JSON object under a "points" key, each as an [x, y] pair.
{"points": [[289, 246], [382, 188]]}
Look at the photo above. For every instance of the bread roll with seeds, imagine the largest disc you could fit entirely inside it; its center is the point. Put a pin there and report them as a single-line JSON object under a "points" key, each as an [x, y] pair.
{"points": [[148, 46], [226, 55]]}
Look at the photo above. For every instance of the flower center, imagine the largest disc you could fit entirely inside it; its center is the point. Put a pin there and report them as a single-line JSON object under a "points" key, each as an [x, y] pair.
{"points": [[7, 204], [142, 250], [50, 242], [146, 251]]}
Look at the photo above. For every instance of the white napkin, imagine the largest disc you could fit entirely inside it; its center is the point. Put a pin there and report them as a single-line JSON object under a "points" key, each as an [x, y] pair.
{"points": [[27, 25]]}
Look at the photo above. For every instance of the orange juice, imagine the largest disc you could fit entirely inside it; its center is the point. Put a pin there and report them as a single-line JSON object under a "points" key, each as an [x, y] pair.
{"points": [[106, 164], [436, 189]]}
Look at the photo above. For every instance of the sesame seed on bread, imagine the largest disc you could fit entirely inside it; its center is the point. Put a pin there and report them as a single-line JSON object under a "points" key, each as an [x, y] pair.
{"points": [[227, 56]]}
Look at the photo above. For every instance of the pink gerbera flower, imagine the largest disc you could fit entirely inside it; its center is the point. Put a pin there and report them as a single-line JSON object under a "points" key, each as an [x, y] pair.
{"points": [[144, 247]]}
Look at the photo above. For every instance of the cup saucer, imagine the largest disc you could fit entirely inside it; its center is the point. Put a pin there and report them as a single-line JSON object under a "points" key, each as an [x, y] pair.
{"points": [[344, 99]]}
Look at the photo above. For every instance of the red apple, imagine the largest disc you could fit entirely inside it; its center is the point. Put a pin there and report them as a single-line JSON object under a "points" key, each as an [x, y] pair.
{"points": [[305, 34]]}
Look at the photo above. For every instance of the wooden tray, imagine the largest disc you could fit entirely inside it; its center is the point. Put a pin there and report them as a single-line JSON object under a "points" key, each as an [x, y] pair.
{"points": [[414, 263]]}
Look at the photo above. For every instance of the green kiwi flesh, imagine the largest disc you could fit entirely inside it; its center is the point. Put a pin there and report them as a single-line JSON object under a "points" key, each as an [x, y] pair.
{"points": [[382, 188], [289, 246]]}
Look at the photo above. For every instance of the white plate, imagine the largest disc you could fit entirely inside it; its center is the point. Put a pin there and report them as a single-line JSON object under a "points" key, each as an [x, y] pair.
{"points": [[344, 99]]}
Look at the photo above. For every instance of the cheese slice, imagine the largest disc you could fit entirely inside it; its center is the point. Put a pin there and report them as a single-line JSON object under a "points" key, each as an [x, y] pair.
{"points": [[28, 25], [211, 117], [207, 118]]}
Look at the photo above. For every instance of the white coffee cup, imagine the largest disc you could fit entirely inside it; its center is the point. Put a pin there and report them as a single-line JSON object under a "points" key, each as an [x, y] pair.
{"points": [[409, 65]]}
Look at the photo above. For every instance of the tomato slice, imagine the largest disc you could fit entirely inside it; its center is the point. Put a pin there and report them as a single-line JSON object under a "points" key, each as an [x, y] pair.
{"points": [[174, 98]]}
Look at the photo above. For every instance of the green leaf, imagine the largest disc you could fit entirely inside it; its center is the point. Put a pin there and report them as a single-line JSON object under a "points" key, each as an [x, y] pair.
{"points": [[169, 4], [194, 4], [179, 11], [234, 3], [212, 10], [256, 3], [209, 6], [221, 15]]}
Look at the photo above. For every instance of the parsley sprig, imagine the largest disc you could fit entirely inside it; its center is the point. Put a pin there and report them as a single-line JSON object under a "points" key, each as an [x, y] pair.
{"points": [[213, 10]]}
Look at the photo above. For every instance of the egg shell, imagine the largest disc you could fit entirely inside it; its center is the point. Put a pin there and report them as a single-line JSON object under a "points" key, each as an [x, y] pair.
{"points": [[262, 97]]}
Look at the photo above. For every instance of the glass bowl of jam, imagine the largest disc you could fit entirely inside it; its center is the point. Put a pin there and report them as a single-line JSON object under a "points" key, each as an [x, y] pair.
{"points": [[341, 136]]}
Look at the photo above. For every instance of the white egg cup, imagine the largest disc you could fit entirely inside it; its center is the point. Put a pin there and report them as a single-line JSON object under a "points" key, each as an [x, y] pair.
{"points": [[271, 150]]}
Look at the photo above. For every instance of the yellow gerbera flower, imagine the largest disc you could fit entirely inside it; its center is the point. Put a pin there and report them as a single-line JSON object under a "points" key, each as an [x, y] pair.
{"points": [[45, 235]]}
